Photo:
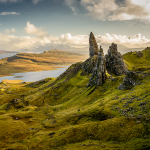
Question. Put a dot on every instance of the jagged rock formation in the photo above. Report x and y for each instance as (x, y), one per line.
(114, 61)
(96, 64)
(147, 48)
(88, 66)
(93, 45)
(99, 71)
(130, 80)
(139, 54)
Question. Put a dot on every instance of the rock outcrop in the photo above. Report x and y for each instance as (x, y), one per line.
(147, 48)
(93, 50)
(99, 71)
(114, 61)
(139, 54)
(130, 80)
(88, 65)
(96, 64)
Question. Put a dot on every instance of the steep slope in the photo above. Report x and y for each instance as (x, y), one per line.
(138, 61)
(84, 108)
(64, 114)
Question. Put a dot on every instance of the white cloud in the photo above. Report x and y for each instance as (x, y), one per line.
(14, 1)
(41, 38)
(70, 4)
(35, 1)
(111, 10)
(10, 31)
(77, 41)
(9, 13)
(32, 30)
(74, 10)
(135, 41)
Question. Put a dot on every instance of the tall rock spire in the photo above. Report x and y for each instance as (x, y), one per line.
(93, 50)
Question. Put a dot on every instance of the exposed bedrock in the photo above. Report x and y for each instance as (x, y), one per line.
(93, 49)
(130, 80)
(99, 71)
(114, 61)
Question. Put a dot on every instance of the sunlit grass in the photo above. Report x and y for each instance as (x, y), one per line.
(64, 114)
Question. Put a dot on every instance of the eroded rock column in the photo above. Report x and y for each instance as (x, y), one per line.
(114, 61)
(93, 49)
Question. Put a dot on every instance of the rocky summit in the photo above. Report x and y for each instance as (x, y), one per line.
(97, 64)
(93, 45)
(114, 61)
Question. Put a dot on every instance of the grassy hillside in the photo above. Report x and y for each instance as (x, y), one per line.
(25, 62)
(63, 114)
(138, 61)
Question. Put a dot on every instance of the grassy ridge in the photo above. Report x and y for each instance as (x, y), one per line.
(136, 62)
(25, 62)
(65, 114)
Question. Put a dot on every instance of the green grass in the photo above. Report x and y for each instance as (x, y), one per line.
(64, 114)
(136, 63)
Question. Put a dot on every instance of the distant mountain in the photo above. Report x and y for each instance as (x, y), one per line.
(48, 60)
(6, 52)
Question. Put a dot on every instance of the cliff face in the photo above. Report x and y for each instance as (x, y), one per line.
(93, 45)
(114, 61)
(99, 71)
(96, 64)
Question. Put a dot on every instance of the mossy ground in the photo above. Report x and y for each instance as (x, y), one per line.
(136, 63)
(66, 115)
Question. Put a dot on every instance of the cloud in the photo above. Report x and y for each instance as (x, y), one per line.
(113, 10)
(13, 1)
(77, 41)
(35, 1)
(135, 41)
(32, 30)
(70, 4)
(9, 13)
(10, 31)
(38, 38)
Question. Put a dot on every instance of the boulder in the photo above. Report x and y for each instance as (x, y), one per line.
(139, 54)
(130, 80)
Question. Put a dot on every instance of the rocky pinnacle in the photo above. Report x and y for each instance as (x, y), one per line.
(93, 50)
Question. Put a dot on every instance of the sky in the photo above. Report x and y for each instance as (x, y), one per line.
(39, 25)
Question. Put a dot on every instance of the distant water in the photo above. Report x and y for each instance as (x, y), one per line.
(35, 76)
(7, 55)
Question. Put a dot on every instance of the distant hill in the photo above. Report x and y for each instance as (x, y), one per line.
(6, 52)
(49, 60)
